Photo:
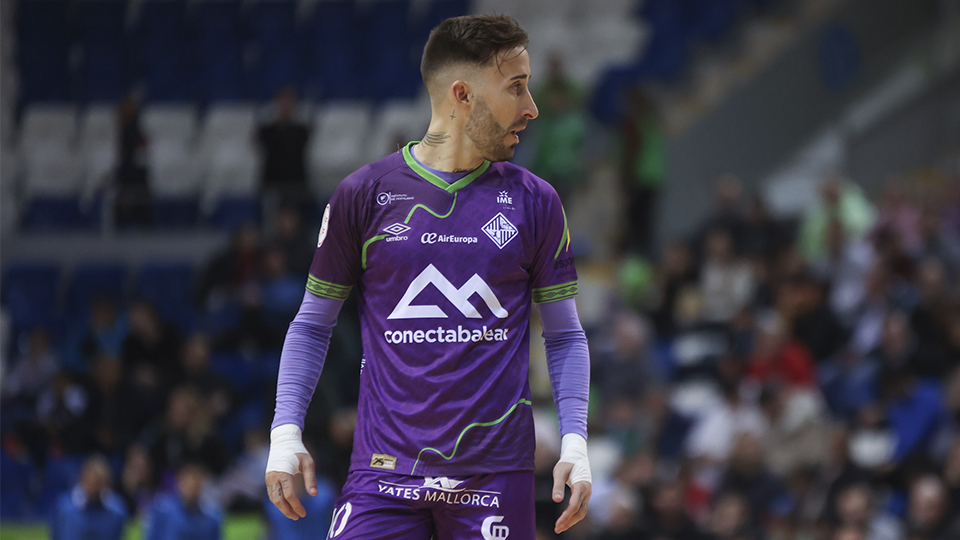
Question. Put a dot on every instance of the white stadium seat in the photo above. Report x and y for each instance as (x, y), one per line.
(48, 123)
(337, 146)
(98, 147)
(173, 169)
(51, 169)
(228, 160)
(177, 122)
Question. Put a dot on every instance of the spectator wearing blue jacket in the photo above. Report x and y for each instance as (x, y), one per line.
(91, 509)
(182, 515)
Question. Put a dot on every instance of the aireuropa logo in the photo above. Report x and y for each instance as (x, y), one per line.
(397, 230)
(434, 238)
(459, 297)
(500, 230)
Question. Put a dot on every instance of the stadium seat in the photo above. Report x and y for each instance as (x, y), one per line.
(43, 50)
(15, 484)
(178, 122)
(52, 214)
(397, 122)
(91, 280)
(277, 63)
(161, 51)
(219, 50)
(30, 292)
(169, 287)
(48, 123)
(175, 213)
(336, 147)
(230, 162)
(602, 41)
(232, 212)
(102, 74)
(332, 52)
(385, 49)
(98, 148)
(60, 474)
(172, 163)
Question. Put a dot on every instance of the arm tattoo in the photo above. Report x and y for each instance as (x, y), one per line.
(434, 139)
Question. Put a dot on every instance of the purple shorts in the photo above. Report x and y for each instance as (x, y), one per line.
(378, 504)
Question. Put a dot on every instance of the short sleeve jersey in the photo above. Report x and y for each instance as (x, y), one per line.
(446, 274)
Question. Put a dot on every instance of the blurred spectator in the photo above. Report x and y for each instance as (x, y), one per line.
(927, 515)
(731, 519)
(283, 143)
(857, 507)
(777, 358)
(151, 346)
(765, 492)
(241, 486)
(900, 349)
(914, 408)
(940, 242)
(185, 435)
(183, 513)
(931, 318)
(897, 213)
(113, 407)
(726, 216)
(230, 269)
(34, 370)
(676, 273)
(64, 412)
(291, 236)
(281, 292)
(620, 516)
(801, 300)
(105, 331)
(763, 236)
(136, 479)
(846, 267)
(667, 517)
(216, 394)
(643, 163)
(842, 201)
(132, 205)
(726, 280)
(561, 128)
(626, 368)
(91, 509)
(797, 429)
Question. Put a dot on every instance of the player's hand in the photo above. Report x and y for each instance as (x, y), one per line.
(288, 457)
(573, 470)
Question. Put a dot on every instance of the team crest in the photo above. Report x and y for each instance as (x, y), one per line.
(500, 230)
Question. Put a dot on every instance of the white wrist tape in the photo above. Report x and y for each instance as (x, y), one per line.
(573, 450)
(285, 444)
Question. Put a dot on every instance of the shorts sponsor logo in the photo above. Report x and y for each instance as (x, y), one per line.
(324, 224)
(434, 238)
(397, 230)
(387, 197)
(491, 531)
(441, 490)
(500, 230)
(339, 521)
(383, 461)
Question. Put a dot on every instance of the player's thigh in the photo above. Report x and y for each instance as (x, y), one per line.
(365, 512)
(490, 506)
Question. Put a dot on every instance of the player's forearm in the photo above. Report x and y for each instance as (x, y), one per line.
(568, 362)
(302, 358)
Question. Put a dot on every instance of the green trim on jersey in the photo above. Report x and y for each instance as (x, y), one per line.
(545, 295)
(436, 180)
(363, 253)
(325, 289)
(464, 432)
(566, 235)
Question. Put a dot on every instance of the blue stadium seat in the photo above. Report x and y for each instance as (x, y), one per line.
(15, 487)
(161, 51)
(233, 368)
(273, 29)
(232, 212)
(43, 50)
(48, 213)
(175, 213)
(330, 42)
(386, 50)
(30, 293)
(219, 44)
(60, 474)
(95, 279)
(168, 286)
(102, 74)
(221, 318)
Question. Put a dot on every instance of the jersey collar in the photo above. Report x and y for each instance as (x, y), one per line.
(436, 180)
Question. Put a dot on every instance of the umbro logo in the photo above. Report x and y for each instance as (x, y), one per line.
(397, 230)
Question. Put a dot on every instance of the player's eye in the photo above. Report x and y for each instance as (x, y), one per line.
(518, 88)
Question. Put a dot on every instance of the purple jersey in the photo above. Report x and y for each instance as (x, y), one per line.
(446, 274)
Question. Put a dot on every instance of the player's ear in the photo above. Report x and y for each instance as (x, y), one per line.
(461, 93)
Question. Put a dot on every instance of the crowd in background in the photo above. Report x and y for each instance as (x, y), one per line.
(770, 378)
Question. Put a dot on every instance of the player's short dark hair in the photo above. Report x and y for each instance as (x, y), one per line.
(470, 40)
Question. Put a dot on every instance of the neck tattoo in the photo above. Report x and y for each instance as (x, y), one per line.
(434, 139)
(453, 114)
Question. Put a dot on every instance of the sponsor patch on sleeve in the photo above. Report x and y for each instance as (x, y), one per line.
(383, 461)
(324, 225)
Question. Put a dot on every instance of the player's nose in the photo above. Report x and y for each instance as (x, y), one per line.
(530, 110)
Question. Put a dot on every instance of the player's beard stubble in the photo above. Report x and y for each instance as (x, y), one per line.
(488, 135)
